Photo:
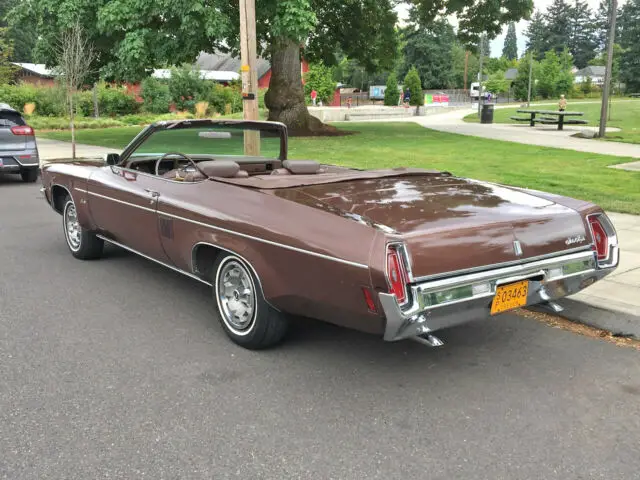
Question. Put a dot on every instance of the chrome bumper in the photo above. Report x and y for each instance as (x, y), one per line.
(549, 279)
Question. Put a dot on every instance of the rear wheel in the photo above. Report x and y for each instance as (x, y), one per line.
(29, 175)
(82, 243)
(244, 314)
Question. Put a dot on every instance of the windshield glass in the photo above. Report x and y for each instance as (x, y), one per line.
(209, 140)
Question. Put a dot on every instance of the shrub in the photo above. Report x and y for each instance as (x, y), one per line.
(319, 78)
(156, 96)
(391, 93)
(115, 100)
(412, 82)
(186, 87)
(219, 97)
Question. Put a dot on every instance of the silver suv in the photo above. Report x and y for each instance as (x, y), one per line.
(18, 149)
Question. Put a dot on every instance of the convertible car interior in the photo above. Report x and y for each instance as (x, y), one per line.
(194, 169)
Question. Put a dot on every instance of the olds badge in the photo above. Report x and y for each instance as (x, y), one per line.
(574, 239)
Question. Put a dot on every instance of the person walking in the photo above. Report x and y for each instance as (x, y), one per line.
(562, 104)
(314, 96)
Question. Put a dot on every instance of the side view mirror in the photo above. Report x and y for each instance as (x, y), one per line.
(111, 158)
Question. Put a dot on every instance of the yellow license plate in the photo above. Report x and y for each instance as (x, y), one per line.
(510, 296)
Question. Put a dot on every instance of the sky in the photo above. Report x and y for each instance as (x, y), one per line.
(498, 42)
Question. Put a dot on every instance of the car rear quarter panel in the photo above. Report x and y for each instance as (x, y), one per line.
(309, 262)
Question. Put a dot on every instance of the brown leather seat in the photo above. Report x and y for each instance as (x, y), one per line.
(301, 167)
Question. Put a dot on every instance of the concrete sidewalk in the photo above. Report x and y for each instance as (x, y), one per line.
(57, 150)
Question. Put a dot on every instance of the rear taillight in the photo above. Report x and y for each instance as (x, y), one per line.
(22, 130)
(396, 275)
(600, 237)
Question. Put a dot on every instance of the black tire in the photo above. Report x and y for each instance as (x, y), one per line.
(29, 175)
(266, 326)
(82, 243)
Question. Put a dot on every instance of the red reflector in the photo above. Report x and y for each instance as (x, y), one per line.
(600, 238)
(22, 130)
(371, 305)
(396, 276)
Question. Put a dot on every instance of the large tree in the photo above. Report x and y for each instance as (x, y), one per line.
(22, 37)
(558, 20)
(537, 35)
(510, 48)
(582, 41)
(133, 36)
(428, 49)
(629, 35)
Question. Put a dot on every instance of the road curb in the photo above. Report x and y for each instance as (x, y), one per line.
(618, 323)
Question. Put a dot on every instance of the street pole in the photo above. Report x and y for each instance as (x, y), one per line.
(249, 73)
(466, 64)
(480, 75)
(530, 73)
(607, 74)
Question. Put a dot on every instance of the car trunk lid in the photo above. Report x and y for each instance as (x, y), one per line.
(451, 223)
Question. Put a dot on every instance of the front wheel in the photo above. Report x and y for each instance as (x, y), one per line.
(244, 313)
(82, 243)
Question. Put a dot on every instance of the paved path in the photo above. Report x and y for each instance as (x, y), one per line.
(544, 136)
(56, 150)
(117, 368)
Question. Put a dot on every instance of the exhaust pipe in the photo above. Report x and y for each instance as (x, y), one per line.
(428, 340)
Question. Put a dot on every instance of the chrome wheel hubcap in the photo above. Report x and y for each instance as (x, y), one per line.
(72, 226)
(236, 296)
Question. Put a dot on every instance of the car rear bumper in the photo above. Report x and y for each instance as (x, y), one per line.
(14, 161)
(451, 301)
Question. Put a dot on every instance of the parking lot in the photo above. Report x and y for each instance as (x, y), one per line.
(117, 368)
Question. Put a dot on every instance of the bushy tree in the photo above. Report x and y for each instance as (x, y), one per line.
(586, 86)
(412, 82)
(391, 93)
(521, 83)
(510, 48)
(320, 78)
(564, 82)
(496, 83)
(7, 69)
(549, 74)
(155, 95)
(458, 54)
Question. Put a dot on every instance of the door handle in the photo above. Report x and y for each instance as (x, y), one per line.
(152, 192)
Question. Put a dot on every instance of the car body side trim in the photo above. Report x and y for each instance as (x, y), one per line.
(121, 202)
(171, 267)
(268, 242)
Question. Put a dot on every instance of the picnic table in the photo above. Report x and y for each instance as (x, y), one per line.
(547, 117)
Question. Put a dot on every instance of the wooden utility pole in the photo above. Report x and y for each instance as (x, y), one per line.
(249, 73)
(613, 9)
(466, 64)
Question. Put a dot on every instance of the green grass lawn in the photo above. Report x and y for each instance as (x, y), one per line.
(625, 114)
(576, 174)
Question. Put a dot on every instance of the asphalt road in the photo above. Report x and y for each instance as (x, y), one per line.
(117, 369)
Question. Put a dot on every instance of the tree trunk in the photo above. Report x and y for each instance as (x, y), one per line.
(285, 98)
(72, 126)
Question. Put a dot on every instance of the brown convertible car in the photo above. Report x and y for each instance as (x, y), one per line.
(398, 253)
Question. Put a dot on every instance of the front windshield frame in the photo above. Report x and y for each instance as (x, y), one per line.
(261, 126)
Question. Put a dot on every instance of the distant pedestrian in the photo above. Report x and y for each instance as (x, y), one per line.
(407, 97)
(349, 102)
(314, 96)
(562, 104)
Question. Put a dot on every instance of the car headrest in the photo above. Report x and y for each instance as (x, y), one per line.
(301, 167)
(219, 168)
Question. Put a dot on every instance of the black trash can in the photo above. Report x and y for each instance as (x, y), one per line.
(486, 114)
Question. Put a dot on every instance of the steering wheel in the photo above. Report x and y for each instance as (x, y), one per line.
(175, 161)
